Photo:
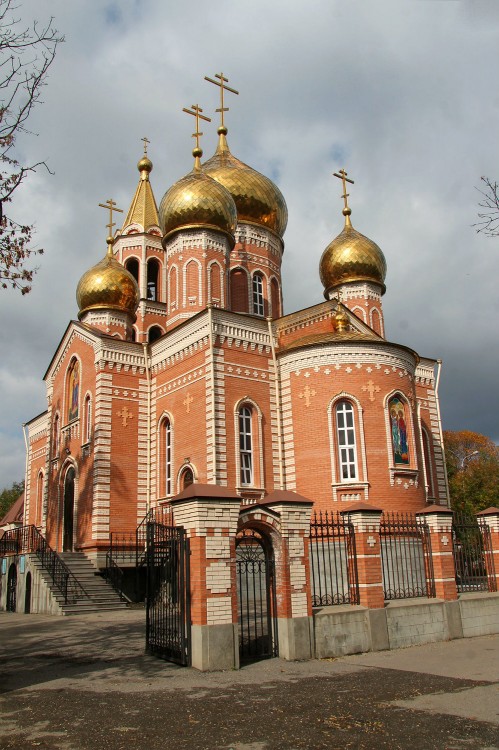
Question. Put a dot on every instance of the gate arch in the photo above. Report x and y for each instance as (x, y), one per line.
(256, 596)
(68, 510)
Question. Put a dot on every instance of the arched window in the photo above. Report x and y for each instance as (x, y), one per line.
(239, 290)
(132, 266)
(187, 478)
(56, 436)
(216, 286)
(427, 455)
(398, 424)
(347, 446)
(88, 419)
(134, 334)
(153, 279)
(245, 446)
(376, 321)
(275, 298)
(154, 334)
(39, 498)
(258, 303)
(73, 390)
(167, 443)
(173, 288)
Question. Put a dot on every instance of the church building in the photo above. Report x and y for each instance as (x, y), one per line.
(183, 368)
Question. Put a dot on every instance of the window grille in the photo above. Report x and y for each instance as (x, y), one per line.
(258, 294)
(347, 451)
(245, 446)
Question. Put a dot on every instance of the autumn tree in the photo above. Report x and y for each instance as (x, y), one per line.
(26, 54)
(489, 218)
(473, 470)
(8, 497)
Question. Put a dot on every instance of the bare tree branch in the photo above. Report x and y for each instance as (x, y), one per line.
(26, 54)
(489, 221)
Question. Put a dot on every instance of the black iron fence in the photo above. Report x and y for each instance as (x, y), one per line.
(473, 554)
(406, 557)
(333, 561)
(28, 540)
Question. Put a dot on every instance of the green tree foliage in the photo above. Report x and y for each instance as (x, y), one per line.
(473, 470)
(8, 497)
(26, 54)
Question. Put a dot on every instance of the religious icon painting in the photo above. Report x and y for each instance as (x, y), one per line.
(398, 426)
(73, 391)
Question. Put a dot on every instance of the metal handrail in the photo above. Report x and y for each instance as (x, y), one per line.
(28, 540)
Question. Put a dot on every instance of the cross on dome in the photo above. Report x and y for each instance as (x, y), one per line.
(342, 175)
(111, 206)
(221, 83)
(196, 112)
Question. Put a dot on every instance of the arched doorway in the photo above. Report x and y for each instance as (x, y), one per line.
(256, 599)
(27, 595)
(69, 498)
(187, 478)
(12, 589)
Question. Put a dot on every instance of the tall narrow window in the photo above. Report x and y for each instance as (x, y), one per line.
(56, 435)
(347, 450)
(187, 478)
(153, 279)
(39, 499)
(168, 456)
(245, 446)
(238, 290)
(398, 424)
(132, 266)
(258, 294)
(88, 419)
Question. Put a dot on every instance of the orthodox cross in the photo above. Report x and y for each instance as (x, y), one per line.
(196, 111)
(187, 402)
(307, 392)
(124, 414)
(146, 143)
(371, 389)
(342, 175)
(111, 206)
(221, 83)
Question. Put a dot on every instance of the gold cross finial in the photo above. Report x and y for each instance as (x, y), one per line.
(146, 143)
(221, 83)
(196, 112)
(342, 175)
(111, 206)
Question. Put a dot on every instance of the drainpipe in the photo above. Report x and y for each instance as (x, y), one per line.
(437, 382)
(148, 479)
(25, 476)
(277, 382)
(212, 384)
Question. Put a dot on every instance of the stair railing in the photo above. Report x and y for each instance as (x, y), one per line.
(27, 540)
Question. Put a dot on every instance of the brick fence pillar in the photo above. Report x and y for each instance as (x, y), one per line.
(366, 522)
(209, 514)
(491, 518)
(439, 521)
(294, 596)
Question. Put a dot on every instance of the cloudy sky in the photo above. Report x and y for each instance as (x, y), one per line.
(402, 93)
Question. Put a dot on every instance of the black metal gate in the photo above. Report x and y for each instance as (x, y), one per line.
(473, 554)
(168, 620)
(256, 597)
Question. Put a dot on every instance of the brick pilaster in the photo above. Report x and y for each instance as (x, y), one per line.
(366, 522)
(439, 521)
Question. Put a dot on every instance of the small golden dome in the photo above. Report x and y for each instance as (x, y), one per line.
(341, 320)
(107, 286)
(351, 257)
(197, 202)
(144, 165)
(257, 199)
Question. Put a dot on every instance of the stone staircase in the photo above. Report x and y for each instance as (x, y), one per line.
(101, 595)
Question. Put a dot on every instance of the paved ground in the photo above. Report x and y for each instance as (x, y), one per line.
(83, 683)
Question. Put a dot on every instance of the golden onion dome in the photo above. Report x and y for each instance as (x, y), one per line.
(197, 202)
(144, 166)
(107, 286)
(257, 199)
(351, 257)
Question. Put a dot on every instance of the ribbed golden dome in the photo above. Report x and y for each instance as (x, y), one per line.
(197, 202)
(257, 199)
(107, 286)
(351, 257)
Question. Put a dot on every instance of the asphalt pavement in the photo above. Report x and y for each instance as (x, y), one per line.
(84, 682)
